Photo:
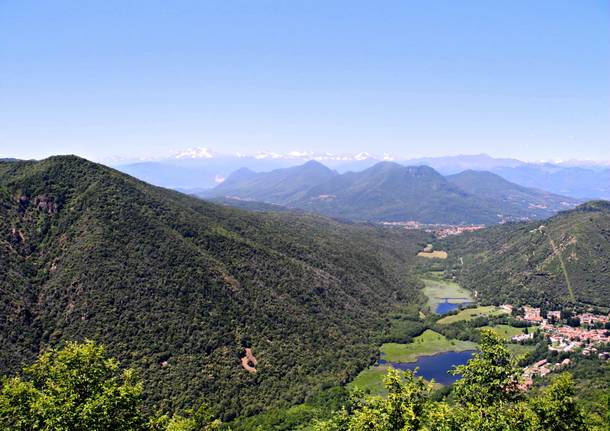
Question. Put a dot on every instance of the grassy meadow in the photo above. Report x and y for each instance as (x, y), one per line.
(506, 331)
(428, 343)
(472, 313)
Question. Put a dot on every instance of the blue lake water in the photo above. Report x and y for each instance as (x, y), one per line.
(435, 366)
(446, 307)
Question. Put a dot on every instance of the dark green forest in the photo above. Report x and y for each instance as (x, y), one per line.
(177, 287)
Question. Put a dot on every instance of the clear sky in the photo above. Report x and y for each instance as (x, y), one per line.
(526, 79)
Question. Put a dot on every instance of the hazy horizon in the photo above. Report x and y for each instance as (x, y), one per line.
(297, 157)
(118, 81)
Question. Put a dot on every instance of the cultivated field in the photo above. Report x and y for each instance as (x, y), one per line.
(506, 331)
(433, 254)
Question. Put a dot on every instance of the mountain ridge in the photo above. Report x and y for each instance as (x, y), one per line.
(389, 191)
(280, 185)
(582, 180)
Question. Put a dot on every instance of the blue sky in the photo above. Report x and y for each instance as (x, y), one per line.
(525, 79)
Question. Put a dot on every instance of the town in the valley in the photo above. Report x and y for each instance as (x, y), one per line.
(587, 334)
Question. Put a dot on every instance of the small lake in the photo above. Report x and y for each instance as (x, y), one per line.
(435, 366)
(446, 307)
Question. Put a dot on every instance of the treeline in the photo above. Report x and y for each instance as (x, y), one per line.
(80, 388)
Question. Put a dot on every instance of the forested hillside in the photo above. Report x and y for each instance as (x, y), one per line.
(563, 259)
(177, 287)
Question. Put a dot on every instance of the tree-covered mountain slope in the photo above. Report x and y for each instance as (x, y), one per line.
(389, 191)
(563, 259)
(178, 287)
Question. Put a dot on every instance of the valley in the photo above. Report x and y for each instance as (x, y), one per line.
(304, 216)
(266, 315)
(433, 354)
(450, 334)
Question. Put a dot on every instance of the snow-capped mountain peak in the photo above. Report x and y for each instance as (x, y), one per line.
(194, 153)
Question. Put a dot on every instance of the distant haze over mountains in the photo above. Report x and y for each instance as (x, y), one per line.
(196, 169)
(388, 191)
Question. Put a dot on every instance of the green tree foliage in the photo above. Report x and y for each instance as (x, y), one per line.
(79, 388)
(193, 420)
(491, 376)
(556, 409)
(486, 399)
(76, 388)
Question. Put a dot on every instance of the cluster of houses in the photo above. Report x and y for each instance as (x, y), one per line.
(440, 230)
(532, 314)
(591, 319)
(456, 230)
(586, 338)
(565, 338)
(541, 368)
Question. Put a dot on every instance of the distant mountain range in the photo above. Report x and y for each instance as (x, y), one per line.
(578, 182)
(194, 170)
(280, 186)
(389, 191)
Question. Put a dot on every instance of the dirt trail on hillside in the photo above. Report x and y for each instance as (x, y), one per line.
(563, 267)
(249, 361)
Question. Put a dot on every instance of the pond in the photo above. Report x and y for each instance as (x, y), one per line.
(435, 366)
(446, 307)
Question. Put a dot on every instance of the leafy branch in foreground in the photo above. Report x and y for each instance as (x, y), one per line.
(78, 388)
